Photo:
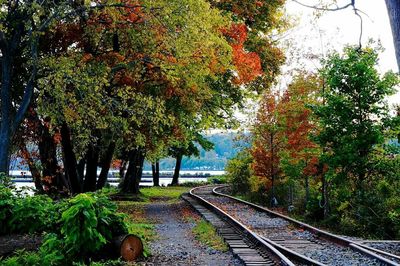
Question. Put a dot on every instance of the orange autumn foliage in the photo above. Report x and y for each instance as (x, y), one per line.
(248, 64)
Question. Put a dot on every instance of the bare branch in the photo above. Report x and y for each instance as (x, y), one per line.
(352, 3)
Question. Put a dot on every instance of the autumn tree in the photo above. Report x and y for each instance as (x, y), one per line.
(268, 142)
(300, 154)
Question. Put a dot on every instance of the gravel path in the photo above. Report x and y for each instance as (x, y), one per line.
(175, 244)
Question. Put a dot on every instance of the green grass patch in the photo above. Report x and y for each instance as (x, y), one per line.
(137, 222)
(206, 234)
(146, 232)
(166, 194)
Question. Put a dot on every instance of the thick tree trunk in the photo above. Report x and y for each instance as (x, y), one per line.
(92, 159)
(5, 127)
(393, 7)
(155, 168)
(175, 178)
(106, 166)
(122, 170)
(81, 169)
(4, 149)
(48, 158)
(36, 176)
(134, 172)
(70, 163)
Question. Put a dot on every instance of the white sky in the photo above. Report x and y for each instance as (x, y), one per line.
(333, 30)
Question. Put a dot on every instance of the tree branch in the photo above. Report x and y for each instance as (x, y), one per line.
(26, 99)
(352, 3)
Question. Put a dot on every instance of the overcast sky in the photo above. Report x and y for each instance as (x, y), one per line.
(333, 30)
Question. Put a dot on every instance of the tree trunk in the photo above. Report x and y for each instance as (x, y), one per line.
(48, 158)
(393, 7)
(134, 172)
(155, 168)
(175, 178)
(324, 195)
(5, 127)
(273, 199)
(81, 169)
(106, 166)
(307, 192)
(36, 176)
(122, 170)
(92, 159)
(70, 164)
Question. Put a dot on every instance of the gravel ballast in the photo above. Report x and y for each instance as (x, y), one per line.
(175, 243)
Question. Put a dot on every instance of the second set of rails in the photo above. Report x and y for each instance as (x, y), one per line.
(260, 236)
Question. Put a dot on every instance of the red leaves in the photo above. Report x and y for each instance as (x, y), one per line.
(248, 64)
(237, 33)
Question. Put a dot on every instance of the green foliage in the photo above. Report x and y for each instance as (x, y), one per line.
(351, 118)
(33, 214)
(238, 172)
(219, 179)
(7, 201)
(206, 234)
(88, 223)
(23, 258)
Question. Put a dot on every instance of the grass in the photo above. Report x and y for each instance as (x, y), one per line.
(167, 194)
(206, 234)
(137, 222)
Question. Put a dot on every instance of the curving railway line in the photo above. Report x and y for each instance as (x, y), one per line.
(259, 236)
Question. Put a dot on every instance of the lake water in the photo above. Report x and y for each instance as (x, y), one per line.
(146, 181)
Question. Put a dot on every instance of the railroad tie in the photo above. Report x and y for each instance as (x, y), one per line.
(237, 242)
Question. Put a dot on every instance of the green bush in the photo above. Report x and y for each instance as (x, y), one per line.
(219, 179)
(23, 258)
(33, 214)
(239, 172)
(7, 200)
(89, 222)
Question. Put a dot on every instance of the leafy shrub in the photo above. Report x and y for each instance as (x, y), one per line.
(22, 257)
(239, 172)
(220, 179)
(88, 223)
(7, 200)
(33, 214)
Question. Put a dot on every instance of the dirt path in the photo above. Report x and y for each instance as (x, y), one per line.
(176, 244)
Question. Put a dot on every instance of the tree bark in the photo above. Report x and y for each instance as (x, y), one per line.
(307, 192)
(106, 166)
(5, 127)
(134, 172)
(175, 178)
(48, 158)
(92, 159)
(155, 168)
(70, 163)
(36, 176)
(393, 7)
(122, 170)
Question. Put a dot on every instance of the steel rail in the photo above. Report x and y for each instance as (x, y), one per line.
(368, 251)
(265, 243)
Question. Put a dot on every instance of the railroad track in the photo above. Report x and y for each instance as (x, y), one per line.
(281, 239)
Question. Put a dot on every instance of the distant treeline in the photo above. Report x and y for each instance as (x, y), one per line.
(226, 146)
